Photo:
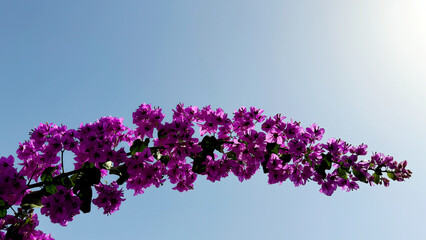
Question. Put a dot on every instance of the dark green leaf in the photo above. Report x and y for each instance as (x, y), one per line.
(73, 178)
(85, 195)
(327, 160)
(3, 213)
(3, 208)
(65, 181)
(265, 169)
(285, 157)
(123, 178)
(378, 170)
(93, 176)
(324, 165)
(161, 134)
(209, 144)
(50, 188)
(120, 171)
(273, 148)
(46, 176)
(231, 155)
(219, 147)
(90, 175)
(265, 163)
(32, 200)
(138, 146)
(199, 166)
(361, 177)
(13, 233)
(88, 165)
(320, 170)
(165, 159)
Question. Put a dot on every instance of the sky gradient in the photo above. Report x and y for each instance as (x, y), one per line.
(356, 68)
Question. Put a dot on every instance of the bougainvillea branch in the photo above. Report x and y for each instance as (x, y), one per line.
(240, 145)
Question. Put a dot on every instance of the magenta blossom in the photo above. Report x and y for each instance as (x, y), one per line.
(109, 197)
(61, 207)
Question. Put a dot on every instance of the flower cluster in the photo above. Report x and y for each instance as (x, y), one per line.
(109, 197)
(147, 119)
(284, 150)
(211, 121)
(41, 150)
(22, 226)
(143, 172)
(61, 207)
(98, 140)
(12, 185)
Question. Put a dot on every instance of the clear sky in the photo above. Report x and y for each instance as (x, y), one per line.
(356, 68)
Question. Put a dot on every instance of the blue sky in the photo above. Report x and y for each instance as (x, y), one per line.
(356, 68)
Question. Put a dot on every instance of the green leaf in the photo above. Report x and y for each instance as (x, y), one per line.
(265, 163)
(138, 146)
(324, 165)
(161, 134)
(50, 188)
(165, 159)
(85, 195)
(120, 171)
(123, 178)
(285, 157)
(376, 178)
(273, 148)
(307, 158)
(361, 177)
(3, 213)
(342, 173)
(46, 176)
(326, 160)
(378, 170)
(209, 144)
(199, 166)
(93, 176)
(320, 170)
(73, 178)
(264, 168)
(391, 175)
(65, 181)
(28, 220)
(219, 147)
(32, 200)
(13, 233)
(2, 203)
(90, 175)
(231, 155)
